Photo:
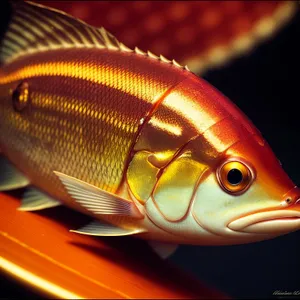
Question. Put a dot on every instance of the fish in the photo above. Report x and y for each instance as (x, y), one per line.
(133, 139)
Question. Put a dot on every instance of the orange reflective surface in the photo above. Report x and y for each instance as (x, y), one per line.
(39, 250)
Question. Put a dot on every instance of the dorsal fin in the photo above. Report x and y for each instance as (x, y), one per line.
(34, 28)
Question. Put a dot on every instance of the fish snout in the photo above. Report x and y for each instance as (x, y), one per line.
(276, 221)
(269, 222)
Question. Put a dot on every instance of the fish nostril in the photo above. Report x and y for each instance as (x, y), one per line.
(288, 200)
(297, 201)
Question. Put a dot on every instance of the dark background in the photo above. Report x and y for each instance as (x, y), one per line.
(265, 85)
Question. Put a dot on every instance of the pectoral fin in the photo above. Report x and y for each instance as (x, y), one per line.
(35, 200)
(10, 177)
(97, 228)
(164, 250)
(96, 200)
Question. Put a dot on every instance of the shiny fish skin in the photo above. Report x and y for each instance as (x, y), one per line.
(83, 127)
(134, 139)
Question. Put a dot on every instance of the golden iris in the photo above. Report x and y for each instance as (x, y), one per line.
(235, 177)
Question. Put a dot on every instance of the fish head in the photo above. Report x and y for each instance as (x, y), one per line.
(247, 196)
(225, 186)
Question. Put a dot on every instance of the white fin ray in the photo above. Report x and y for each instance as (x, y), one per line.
(163, 250)
(10, 177)
(139, 51)
(96, 228)
(96, 200)
(162, 58)
(34, 199)
(125, 48)
(150, 54)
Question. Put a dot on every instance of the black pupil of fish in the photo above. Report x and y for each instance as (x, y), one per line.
(234, 176)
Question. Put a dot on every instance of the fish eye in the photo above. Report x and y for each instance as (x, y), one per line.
(234, 177)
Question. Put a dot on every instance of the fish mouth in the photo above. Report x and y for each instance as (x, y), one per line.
(268, 222)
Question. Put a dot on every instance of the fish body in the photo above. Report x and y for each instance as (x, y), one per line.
(133, 139)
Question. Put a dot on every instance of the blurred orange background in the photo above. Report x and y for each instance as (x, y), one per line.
(201, 34)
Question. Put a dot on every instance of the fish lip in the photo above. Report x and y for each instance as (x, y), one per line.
(274, 221)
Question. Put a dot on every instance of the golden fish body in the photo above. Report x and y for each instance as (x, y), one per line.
(128, 137)
(85, 122)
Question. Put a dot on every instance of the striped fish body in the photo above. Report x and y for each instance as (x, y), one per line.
(122, 135)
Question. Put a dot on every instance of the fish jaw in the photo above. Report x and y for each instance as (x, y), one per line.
(273, 222)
